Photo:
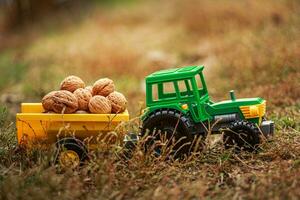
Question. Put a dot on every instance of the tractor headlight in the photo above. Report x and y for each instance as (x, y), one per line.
(184, 106)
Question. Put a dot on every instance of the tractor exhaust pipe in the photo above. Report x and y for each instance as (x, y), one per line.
(232, 95)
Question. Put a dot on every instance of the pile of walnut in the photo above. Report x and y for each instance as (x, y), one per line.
(74, 97)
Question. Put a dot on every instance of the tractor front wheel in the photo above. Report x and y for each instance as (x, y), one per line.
(242, 135)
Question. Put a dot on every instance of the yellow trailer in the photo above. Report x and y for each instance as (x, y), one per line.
(67, 130)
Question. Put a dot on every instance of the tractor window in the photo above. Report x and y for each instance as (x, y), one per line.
(168, 91)
(199, 85)
(182, 86)
(163, 91)
(168, 88)
(185, 87)
(154, 92)
(199, 82)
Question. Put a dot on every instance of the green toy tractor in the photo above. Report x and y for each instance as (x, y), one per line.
(179, 109)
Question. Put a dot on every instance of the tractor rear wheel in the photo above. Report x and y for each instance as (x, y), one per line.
(242, 135)
(168, 131)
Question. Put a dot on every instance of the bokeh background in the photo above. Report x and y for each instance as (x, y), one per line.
(252, 46)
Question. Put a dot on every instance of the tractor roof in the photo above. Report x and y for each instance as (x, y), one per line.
(173, 74)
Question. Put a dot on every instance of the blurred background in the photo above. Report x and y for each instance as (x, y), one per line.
(250, 46)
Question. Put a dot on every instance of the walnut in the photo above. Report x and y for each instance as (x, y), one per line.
(99, 104)
(50, 112)
(90, 88)
(118, 102)
(64, 102)
(103, 87)
(72, 83)
(81, 112)
(47, 101)
(83, 96)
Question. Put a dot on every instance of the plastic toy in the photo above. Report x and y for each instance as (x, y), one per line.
(178, 105)
(35, 125)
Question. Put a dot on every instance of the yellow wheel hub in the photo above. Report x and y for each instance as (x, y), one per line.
(69, 159)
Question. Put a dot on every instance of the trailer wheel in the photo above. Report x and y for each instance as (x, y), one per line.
(242, 135)
(130, 142)
(70, 153)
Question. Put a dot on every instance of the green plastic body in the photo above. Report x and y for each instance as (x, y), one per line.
(185, 90)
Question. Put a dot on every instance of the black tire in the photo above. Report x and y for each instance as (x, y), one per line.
(130, 142)
(74, 145)
(171, 125)
(242, 135)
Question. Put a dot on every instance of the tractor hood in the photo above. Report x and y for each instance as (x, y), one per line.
(247, 107)
(237, 103)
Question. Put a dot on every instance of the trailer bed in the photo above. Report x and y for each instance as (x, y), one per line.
(33, 124)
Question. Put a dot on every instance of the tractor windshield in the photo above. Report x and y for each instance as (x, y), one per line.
(177, 89)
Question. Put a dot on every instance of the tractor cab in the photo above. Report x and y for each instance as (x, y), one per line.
(183, 89)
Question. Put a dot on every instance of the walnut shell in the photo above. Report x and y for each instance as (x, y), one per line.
(47, 101)
(118, 102)
(81, 112)
(99, 104)
(72, 83)
(90, 88)
(64, 102)
(83, 96)
(103, 87)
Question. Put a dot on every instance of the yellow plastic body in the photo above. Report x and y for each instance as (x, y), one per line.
(35, 125)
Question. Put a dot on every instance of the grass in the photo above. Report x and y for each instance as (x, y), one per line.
(250, 46)
(11, 70)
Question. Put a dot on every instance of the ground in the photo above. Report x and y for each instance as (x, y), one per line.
(250, 46)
